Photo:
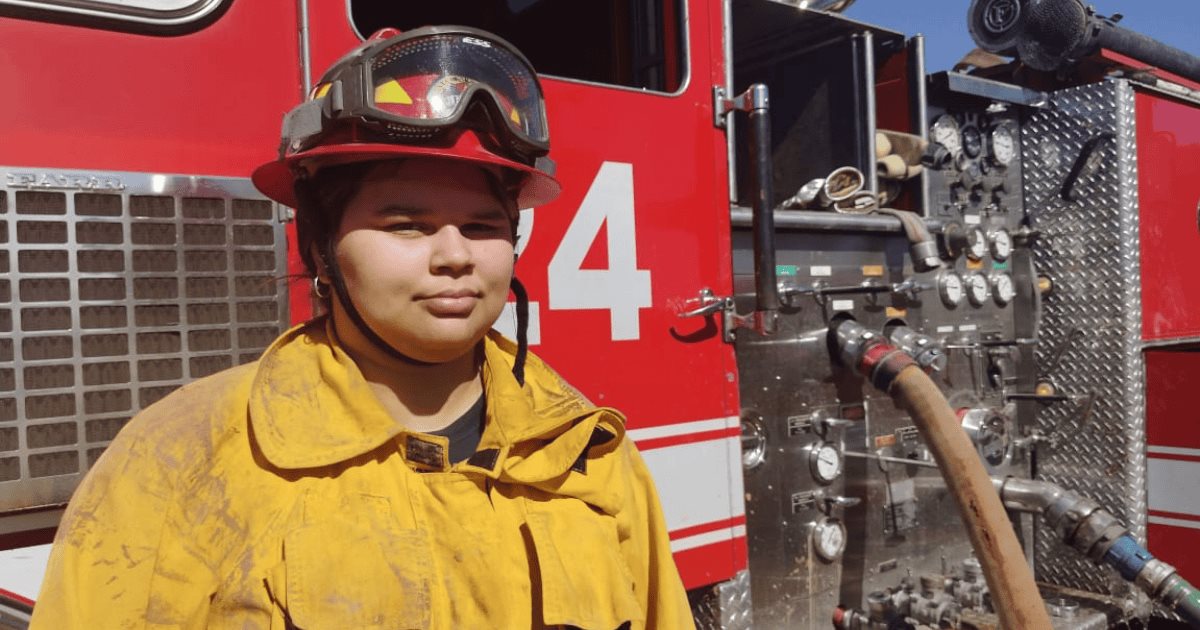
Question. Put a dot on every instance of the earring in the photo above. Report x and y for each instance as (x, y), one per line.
(319, 289)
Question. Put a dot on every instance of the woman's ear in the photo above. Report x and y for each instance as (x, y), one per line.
(318, 257)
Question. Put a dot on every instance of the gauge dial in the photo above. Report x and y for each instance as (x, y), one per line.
(978, 290)
(950, 288)
(1003, 290)
(972, 141)
(1004, 144)
(976, 244)
(829, 539)
(945, 132)
(1002, 244)
(825, 462)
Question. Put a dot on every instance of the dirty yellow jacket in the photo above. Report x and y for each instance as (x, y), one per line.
(280, 494)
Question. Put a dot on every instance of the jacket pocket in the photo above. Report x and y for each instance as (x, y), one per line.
(584, 581)
(342, 575)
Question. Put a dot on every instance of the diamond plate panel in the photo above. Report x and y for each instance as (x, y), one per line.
(1091, 322)
(725, 606)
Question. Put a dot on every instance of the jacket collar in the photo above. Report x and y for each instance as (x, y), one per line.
(311, 407)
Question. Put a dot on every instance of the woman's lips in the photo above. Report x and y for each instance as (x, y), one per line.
(451, 303)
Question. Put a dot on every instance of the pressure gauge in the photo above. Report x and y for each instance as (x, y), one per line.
(977, 289)
(825, 462)
(972, 141)
(829, 539)
(976, 244)
(1004, 144)
(1002, 289)
(1002, 244)
(945, 132)
(950, 288)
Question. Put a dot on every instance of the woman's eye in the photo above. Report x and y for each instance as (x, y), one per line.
(405, 226)
(482, 228)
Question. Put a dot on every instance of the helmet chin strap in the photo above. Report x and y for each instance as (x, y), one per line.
(518, 290)
(343, 296)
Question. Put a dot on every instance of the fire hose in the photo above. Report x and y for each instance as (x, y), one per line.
(1010, 581)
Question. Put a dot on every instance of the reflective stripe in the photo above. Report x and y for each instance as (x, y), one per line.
(21, 570)
(1163, 520)
(1174, 485)
(683, 428)
(698, 483)
(1172, 450)
(708, 538)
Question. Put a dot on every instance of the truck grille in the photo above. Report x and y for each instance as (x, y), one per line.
(115, 289)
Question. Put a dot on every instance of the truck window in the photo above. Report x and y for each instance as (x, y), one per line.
(170, 15)
(631, 43)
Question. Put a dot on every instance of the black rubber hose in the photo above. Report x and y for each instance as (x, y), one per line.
(1049, 35)
(1149, 50)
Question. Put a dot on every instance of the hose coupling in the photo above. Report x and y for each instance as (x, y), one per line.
(925, 255)
(869, 353)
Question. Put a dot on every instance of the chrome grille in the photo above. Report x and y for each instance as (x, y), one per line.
(117, 288)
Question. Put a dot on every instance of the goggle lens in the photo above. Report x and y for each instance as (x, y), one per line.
(434, 79)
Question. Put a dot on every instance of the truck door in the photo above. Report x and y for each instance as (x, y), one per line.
(641, 228)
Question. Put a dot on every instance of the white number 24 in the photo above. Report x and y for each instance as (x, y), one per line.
(622, 289)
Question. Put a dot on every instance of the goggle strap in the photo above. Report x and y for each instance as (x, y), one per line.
(304, 121)
(308, 118)
(545, 165)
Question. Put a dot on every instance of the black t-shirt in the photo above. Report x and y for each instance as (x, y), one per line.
(465, 433)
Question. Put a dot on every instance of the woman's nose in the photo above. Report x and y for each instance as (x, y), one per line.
(451, 251)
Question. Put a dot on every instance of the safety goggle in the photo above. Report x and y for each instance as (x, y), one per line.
(424, 83)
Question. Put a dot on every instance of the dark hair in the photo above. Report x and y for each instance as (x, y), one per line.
(332, 188)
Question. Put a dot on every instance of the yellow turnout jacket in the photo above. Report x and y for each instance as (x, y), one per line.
(280, 494)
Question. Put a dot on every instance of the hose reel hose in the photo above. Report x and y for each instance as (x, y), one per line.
(1010, 580)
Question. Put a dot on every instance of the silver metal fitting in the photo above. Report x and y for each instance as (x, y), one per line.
(852, 341)
(840, 186)
(925, 350)
(1155, 579)
(925, 255)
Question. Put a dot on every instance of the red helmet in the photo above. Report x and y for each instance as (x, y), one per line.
(441, 92)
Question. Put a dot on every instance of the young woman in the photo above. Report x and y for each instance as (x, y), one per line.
(392, 464)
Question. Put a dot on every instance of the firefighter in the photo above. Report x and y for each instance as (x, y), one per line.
(393, 464)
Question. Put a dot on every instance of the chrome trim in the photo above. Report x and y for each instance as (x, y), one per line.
(14, 614)
(865, 60)
(31, 520)
(305, 50)
(1188, 96)
(132, 14)
(55, 486)
(1168, 343)
(996, 90)
(916, 51)
(821, 221)
(727, 55)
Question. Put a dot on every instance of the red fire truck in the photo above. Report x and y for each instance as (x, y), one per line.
(1052, 205)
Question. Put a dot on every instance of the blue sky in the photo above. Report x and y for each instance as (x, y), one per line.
(944, 23)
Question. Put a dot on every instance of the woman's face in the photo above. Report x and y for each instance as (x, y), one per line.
(426, 251)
